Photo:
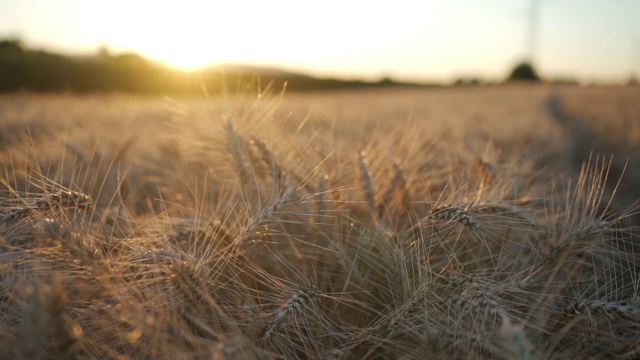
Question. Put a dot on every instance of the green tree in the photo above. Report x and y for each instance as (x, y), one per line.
(524, 71)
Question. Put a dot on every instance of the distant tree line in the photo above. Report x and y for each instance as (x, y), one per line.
(35, 70)
(40, 71)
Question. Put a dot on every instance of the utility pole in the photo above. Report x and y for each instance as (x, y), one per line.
(635, 60)
(533, 30)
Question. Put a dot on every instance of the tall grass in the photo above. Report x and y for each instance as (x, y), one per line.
(245, 232)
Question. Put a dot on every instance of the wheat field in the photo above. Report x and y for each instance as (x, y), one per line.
(448, 223)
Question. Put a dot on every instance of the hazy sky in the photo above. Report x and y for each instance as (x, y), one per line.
(408, 40)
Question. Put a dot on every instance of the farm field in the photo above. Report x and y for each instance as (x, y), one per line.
(447, 223)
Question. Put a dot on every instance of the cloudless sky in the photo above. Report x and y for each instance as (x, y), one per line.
(428, 40)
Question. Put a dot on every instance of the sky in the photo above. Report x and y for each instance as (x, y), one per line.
(428, 40)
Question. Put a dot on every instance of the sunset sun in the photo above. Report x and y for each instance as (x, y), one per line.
(205, 33)
(287, 34)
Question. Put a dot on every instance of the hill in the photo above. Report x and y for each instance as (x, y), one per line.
(36, 70)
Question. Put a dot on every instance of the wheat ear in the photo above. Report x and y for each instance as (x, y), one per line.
(366, 183)
(295, 304)
(397, 185)
(264, 215)
(269, 160)
(455, 213)
(235, 146)
(61, 199)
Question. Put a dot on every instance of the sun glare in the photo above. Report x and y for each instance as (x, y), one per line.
(284, 32)
(201, 33)
(184, 55)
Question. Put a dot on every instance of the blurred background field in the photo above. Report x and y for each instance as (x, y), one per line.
(555, 127)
